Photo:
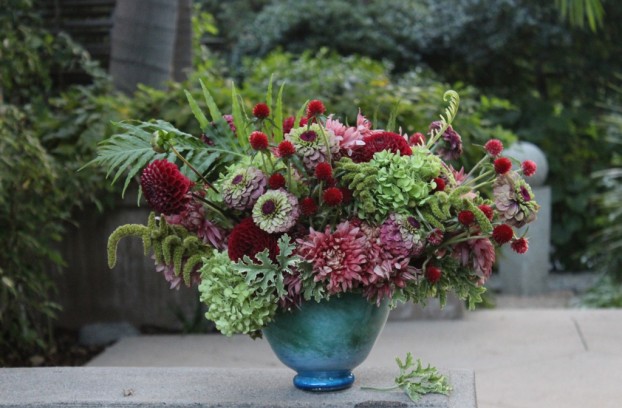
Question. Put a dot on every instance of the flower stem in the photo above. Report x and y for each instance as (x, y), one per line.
(187, 163)
(479, 163)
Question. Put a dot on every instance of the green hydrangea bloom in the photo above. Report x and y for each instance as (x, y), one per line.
(391, 182)
(234, 306)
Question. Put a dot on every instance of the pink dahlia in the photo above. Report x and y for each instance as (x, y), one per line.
(193, 218)
(350, 136)
(477, 255)
(451, 147)
(336, 256)
(164, 187)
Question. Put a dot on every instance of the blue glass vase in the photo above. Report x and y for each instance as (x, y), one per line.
(324, 341)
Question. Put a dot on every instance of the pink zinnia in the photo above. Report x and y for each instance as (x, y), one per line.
(336, 256)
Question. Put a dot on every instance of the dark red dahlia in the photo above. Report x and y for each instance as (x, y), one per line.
(261, 111)
(288, 124)
(440, 184)
(417, 139)
(315, 108)
(308, 206)
(276, 181)
(487, 210)
(258, 140)
(323, 171)
(494, 147)
(433, 274)
(466, 217)
(529, 168)
(164, 187)
(380, 141)
(248, 239)
(502, 233)
(503, 165)
(333, 196)
(520, 246)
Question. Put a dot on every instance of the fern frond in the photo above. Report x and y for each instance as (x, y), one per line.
(451, 111)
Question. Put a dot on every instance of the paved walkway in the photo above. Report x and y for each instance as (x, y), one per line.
(522, 358)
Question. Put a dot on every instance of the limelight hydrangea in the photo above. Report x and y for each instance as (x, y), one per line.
(276, 211)
(233, 305)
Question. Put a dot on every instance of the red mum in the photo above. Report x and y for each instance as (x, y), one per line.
(520, 246)
(315, 108)
(529, 168)
(503, 165)
(502, 233)
(466, 217)
(308, 206)
(487, 210)
(433, 274)
(261, 111)
(494, 147)
(165, 187)
(258, 140)
(333, 196)
(323, 171)
(380, 141)
(248, 239)
(276, 181)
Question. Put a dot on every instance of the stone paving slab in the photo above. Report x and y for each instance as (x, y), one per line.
(520, 357)
(206, 387)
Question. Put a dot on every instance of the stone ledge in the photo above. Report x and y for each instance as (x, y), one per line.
(207, 387)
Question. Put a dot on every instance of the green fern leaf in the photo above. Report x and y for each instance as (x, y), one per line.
(196, 110)
(211, 104)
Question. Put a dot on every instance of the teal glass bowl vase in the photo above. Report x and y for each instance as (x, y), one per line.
(323, 342)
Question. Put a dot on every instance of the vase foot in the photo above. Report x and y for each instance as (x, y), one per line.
(324, 381)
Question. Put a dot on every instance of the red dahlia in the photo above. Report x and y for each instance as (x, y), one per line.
(503, 165)
(502, 233)
(315, 108)
(529, 168)
(333, 196)
(433, 274)
(417, 139)
(165, 187)
(323, 171)
(466, 217)
(261, 111)
(258, 140)
(494, 147)
(487, 210)
(248, 239)
(308, 206)
(380, 141)
(520, 246)
(276, 181)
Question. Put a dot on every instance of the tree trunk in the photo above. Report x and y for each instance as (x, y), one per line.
(145, 45)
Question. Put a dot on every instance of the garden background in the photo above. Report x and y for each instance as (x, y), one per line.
(545, 72)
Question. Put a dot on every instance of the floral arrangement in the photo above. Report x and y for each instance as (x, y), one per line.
(264, 211)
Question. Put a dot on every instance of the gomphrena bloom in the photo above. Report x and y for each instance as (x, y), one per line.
(514, 200)
(451, 147)
(310, 145)
(276, 211)
(242, 188)
(164, 187)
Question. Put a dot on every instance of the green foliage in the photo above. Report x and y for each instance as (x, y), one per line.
(577, 12)
(607, 292)
(417, 380)
(234, 305)
(32, 212)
